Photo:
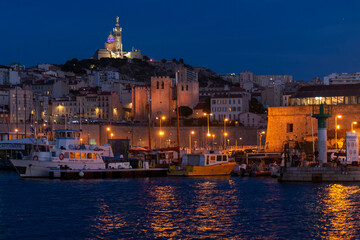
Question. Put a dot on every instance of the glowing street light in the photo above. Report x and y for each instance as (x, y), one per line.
(208, 122)
(17, 133)
(213, 136)
(336, 128)
(161, 133)
(352, 126)
(191, 133)
(111, 135)
(260, 135)
(108, 130)
(225, 133)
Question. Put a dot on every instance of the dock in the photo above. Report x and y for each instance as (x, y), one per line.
(108, 173)
(319, 174)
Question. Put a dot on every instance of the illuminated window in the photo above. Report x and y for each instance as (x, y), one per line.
(78, 155)
(72, 155)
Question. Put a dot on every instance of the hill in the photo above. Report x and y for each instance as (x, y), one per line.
(138, 69)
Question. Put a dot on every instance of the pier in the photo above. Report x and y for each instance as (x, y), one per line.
(319, 174)
(108, 173)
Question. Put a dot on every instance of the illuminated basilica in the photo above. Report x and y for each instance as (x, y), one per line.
(114, 48)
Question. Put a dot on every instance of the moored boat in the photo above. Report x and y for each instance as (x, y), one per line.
(67, 153)
(208, 164)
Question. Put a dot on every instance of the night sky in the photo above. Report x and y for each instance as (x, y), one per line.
(301, 38)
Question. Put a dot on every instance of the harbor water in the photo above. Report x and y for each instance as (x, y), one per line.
(176, 208)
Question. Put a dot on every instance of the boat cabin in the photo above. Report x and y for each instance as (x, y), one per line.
(66, 137)
(207, 159)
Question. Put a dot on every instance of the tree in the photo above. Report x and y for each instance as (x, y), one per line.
(256, 107)
(185, 111)
(163, 60)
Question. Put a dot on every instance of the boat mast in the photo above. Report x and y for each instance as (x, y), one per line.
(149, 116)
(177, 113)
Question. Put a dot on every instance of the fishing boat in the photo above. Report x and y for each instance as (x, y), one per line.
(66, 153)
(211, 163)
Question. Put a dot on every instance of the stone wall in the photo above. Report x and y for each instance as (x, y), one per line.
(281, 118)
(138, 135)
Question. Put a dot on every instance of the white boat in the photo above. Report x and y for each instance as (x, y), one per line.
(66, 153)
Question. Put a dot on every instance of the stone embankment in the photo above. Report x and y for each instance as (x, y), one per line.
(320, 174)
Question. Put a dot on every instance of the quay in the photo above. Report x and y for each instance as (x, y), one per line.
(319, 174)
(108, 173)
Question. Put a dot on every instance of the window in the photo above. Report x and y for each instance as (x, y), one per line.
(78, 155)
(66, 154)
(182, 88)
(289, 127)
(213, 101)
(157, 85)
(218, 158)
(187, 88)
(162, 85)
(94, 156)
(72, 155)
(83, 155)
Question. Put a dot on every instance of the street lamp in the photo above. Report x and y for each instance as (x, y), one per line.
(161, 133)
(108, 135)
(17, 133)
(191, 133)
(208, 122)
(261, 133)
(213, 136)
(225, 133)
(336, 128)
(352, 126)
(111, 135)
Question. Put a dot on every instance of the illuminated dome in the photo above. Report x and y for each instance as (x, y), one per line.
(110, 38)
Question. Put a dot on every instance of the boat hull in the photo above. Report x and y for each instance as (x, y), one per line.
(31, 168)
(214, 170)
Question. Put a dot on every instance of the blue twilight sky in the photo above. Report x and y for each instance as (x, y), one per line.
(302, 38)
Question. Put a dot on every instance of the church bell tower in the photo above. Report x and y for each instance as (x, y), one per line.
(117, 35)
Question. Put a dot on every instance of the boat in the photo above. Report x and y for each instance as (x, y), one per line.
(211, 163)
(66, 153)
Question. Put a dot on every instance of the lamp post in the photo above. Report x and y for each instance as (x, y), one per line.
(161, 133)
(108, 134)
(17, 133)
(208, 122)
(352, 126)
(260, 135)
(336, 128)
(111, 135)
(191, 133)
(213, 136)
(225, 133)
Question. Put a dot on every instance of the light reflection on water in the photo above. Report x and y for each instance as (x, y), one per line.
(340, 212)
(177, 208)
